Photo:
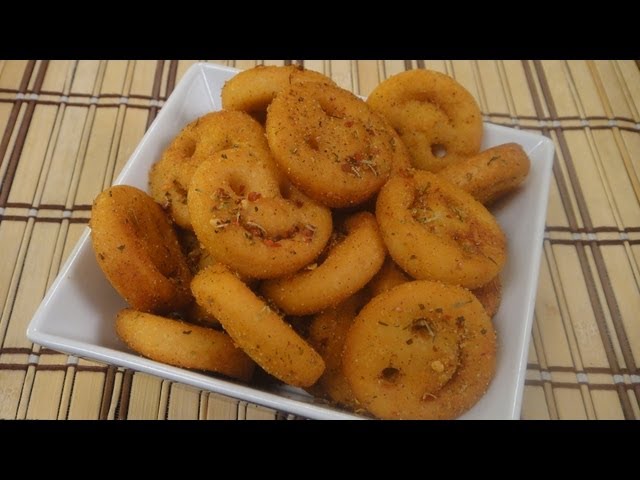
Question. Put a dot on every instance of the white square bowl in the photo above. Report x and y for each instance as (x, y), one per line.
(77, 314)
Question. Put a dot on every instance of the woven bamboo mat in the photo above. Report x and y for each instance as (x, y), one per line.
(68, 127)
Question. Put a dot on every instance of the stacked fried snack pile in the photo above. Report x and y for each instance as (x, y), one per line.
(298, 203)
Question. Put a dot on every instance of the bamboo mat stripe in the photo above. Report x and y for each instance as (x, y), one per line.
(68, 127)
(563, 184)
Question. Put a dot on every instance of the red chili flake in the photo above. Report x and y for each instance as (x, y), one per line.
(346, 167)
(253, 196)
(255, 231)
(307, 233)
(348, 123)
(358, 157)
(270, 243)
(222, 194)
(291, 232)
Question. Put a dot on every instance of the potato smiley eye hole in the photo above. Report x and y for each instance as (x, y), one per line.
(179, 189)
(438, 150)
(237, 186)
(190, 149)
(286, 191)
(390, 374)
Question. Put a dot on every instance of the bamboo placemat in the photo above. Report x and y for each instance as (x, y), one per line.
(68, 127)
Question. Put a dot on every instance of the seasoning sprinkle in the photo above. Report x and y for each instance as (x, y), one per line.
(219, 224)
(460, 304)
(255, 225)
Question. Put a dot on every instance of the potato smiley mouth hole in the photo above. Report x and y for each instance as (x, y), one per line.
(190, 149)
(438, 150)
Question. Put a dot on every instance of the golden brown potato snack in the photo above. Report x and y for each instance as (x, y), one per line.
(256, 328)
(253, 90)
(331, 145)
(170, 177)
(490, 295)
(422, 350)
(435, 231)
(349, 265)
(437, 118)
(138, 251)
(390, 275)
(251, 220)
(182, 344)
(491, 174)
(327, 333)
